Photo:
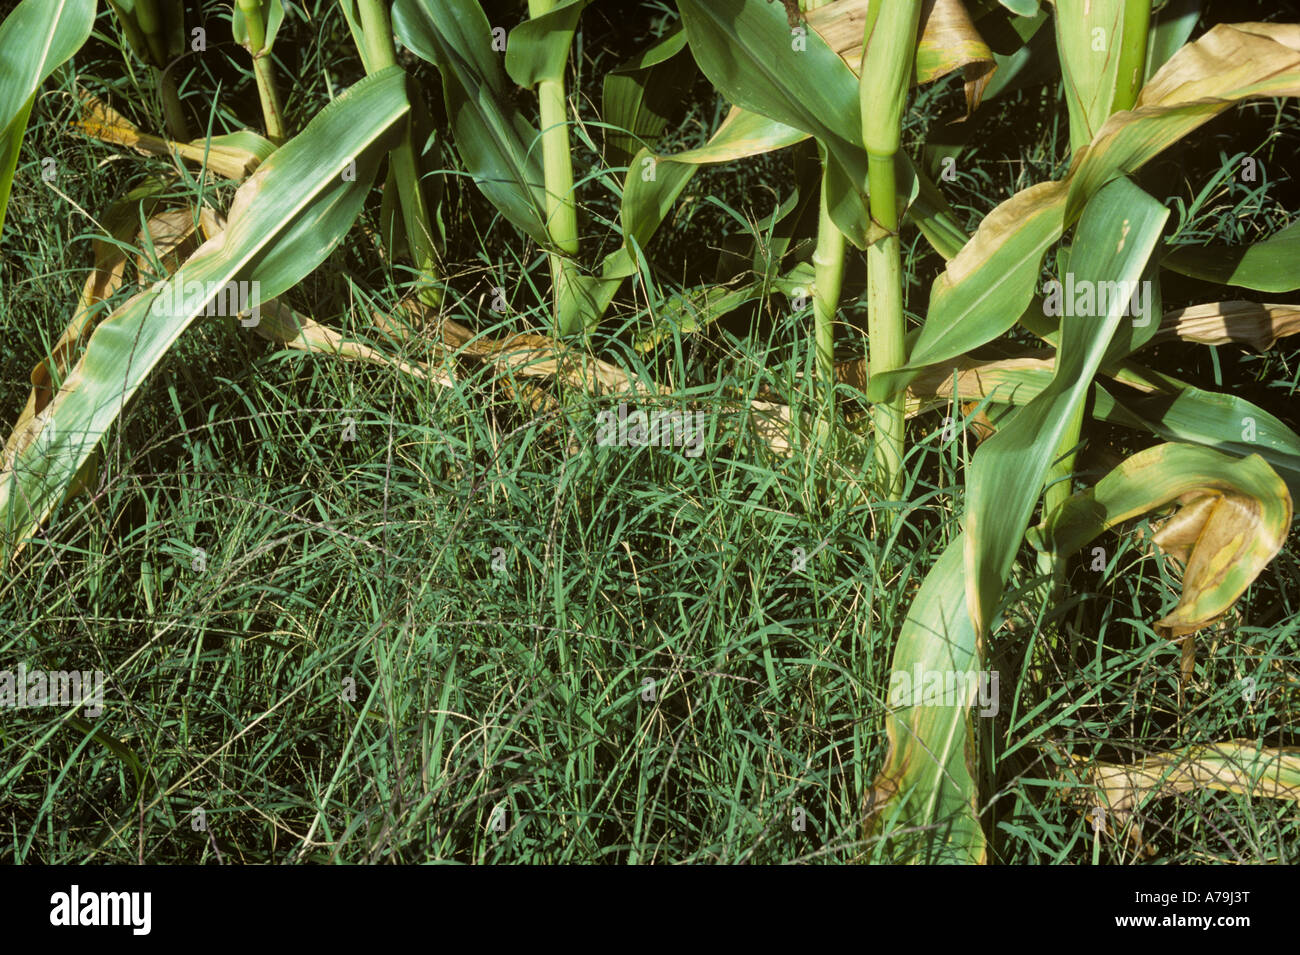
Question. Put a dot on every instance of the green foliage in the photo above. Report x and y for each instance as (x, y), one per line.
(35, 39)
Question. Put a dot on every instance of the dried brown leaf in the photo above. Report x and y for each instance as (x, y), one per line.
(1221, 323)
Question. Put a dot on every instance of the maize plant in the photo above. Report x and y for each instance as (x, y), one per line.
(1041, 315)
(155, 31)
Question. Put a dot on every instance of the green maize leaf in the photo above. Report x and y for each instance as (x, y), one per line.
(639, 96)
(654, 181)
(749, 52)
(283, 223)
(929, 211)
(272, 18)
(494, 140)
(1116, 237)
(948, 41)
(120, 223)
(1171, 27)
(1022, 8)
(1142, 324)
(538, 49)
(35, 39)
(1269, 266)
(1224, 421)
(1102, 45)
(991, 281)
(11, 142)
(927, 789)
(844, 201)
(652, 186)
(1110, 409)
(584, 298)
(791, 227)
(986, 286)
(1236, 516)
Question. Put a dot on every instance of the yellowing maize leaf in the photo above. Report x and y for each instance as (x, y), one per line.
(279, 323)
(1238, 766)
(1008, 380)
(538, 356)
(232, 156)
(926, 800)
(284, 222)
(168, 232)
(1116, 236)
(1234, 518)
(105, 279)
(948, 41)
(1221, 323)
